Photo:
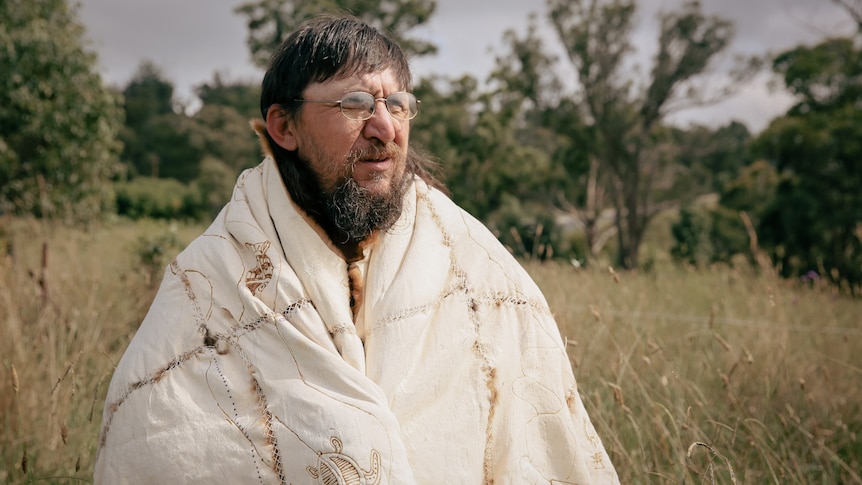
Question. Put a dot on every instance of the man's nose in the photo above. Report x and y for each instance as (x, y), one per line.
(381, 125)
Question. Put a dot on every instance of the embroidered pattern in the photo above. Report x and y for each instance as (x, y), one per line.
(598, 458)
(257, 278)
(336, 468)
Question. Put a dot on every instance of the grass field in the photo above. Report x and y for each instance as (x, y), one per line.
(716, 375)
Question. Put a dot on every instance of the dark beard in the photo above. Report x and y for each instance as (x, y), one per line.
(356, 212)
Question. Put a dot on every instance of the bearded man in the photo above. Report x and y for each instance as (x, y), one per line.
(342, 321)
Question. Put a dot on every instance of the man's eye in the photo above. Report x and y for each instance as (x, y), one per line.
(355, 102)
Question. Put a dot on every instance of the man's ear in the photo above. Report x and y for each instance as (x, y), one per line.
(282, 128)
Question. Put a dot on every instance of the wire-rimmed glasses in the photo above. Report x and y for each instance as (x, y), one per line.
(360, 105)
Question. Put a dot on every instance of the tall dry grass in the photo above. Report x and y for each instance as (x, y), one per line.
(64, 322)
(687, 374)
(715, 376)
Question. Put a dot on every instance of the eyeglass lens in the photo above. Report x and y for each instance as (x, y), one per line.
(360, 106)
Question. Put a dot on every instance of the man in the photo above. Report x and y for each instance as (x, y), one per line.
(342, 321)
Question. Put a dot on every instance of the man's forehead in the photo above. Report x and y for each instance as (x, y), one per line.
(383, 80)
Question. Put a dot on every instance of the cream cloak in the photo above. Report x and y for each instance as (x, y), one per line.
(249, 367)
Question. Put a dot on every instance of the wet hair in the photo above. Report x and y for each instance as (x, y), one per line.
(324, 48)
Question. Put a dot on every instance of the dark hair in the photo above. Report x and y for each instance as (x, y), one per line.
(324, 48)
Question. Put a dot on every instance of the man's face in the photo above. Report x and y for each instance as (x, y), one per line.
(371, 152)
(361, 165)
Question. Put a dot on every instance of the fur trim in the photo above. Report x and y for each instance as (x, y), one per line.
(259, 126)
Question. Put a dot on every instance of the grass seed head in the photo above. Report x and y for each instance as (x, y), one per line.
(14, 379)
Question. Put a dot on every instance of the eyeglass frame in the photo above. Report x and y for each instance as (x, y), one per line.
(373, 106)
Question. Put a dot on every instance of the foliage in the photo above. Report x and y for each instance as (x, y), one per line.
(527, 93)
(147, 95)
(214, 185)
(146, 197)
(243, 97)
(154, 251)
(447, 115)
(157, 140)
(710, 158)
(815, 221)
(498, 174)
(271, 21)
(498, 153)
(221, 132)
(58, 122)
(752, 193)
(529, 232)
(753, 190)
(614, 164)
(689, 234)
(631, 146)
(203, 153)
(729, 237)
(717, 234)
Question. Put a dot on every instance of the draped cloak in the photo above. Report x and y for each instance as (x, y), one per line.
(250, 366)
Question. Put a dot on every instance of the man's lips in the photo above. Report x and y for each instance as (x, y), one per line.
(373, 170)
(378, 163)
(374, 162)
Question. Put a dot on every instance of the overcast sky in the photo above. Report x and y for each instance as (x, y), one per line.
(191, 39)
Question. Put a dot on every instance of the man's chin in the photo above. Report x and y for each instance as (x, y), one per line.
(378, 183)
(376, 188)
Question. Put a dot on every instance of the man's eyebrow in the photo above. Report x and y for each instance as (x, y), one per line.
(350, 88)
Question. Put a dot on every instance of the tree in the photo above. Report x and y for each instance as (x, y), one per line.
(815, 223)
(631, 144)
(854, 9)
(243, 97)
(711, 157)
(204, 151)
(689, 235)
(528, 86)
(527, 92)
(147, 95)
(271, 21)
(58, 121)
(705, 234)
(156, 139)
(494, 173)
(224, 122)
(751, 193)
(222, 133)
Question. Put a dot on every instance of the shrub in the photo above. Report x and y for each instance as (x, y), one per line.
(146, 197)
(154, 250)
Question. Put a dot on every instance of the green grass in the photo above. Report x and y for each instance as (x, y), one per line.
(688, 374)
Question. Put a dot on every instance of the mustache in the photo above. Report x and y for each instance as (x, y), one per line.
(374, 152)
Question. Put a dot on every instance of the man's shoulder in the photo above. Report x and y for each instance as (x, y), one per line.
(210, 247)
(459, 224)
(476, 250)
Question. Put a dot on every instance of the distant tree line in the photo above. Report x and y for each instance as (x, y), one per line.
(569, 157)
(180, 165)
